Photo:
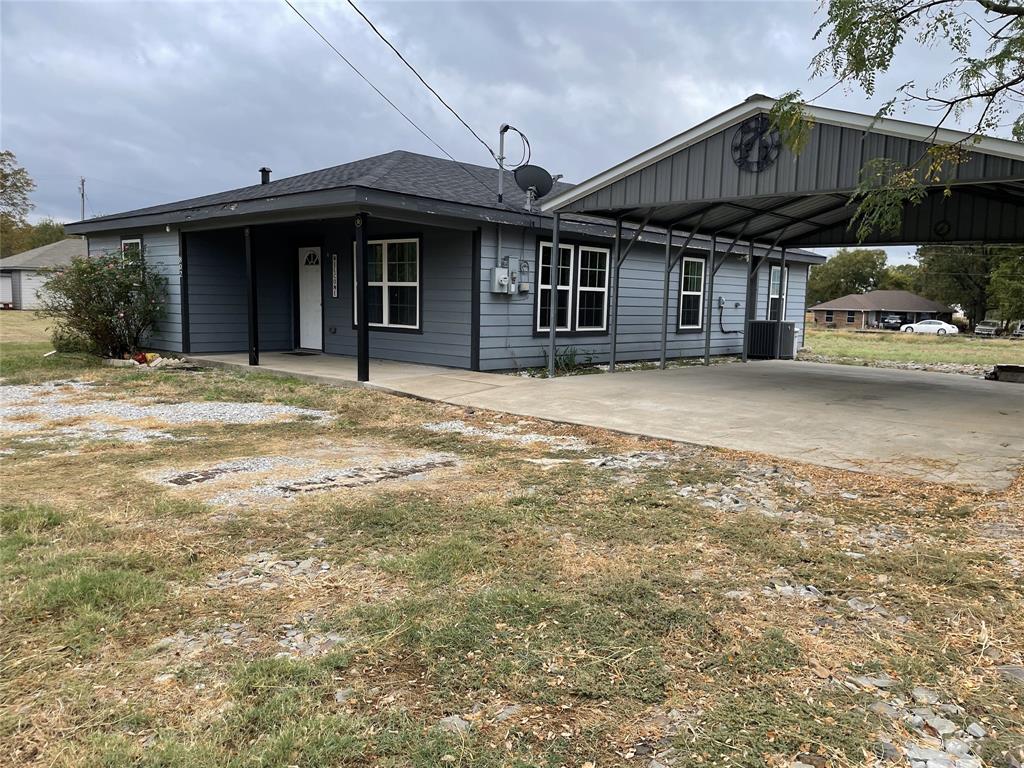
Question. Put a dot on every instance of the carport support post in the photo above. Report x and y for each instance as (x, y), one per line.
(613, 321)
(709, 273)
(553, 302)
(362, 268)
(746, 299)
(664, 300)
(252, 302)
(782, 302)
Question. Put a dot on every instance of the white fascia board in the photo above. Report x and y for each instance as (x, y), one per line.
(1006, 148)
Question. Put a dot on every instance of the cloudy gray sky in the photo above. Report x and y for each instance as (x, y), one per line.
(157, 101)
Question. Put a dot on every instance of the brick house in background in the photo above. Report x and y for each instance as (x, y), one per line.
(865, 310)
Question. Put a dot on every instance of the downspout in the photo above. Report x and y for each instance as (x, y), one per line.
(553, 303)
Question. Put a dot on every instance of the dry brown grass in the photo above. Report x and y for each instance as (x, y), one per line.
(593, 599)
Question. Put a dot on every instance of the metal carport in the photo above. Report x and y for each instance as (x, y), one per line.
(731, 179)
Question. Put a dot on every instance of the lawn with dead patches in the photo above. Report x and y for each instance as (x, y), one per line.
(202, 568)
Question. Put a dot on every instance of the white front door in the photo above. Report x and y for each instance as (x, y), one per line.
(311, 330)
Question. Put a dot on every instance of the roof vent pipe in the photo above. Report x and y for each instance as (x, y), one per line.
(264, 175)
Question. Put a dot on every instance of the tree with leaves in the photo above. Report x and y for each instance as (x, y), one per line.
(15, 187)
(856, 270)
(960, 275)
(1007, 286)
(985, 39)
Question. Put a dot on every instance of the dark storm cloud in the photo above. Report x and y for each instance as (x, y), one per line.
(157, 101)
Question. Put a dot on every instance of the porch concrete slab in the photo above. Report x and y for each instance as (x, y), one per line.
(930, 426)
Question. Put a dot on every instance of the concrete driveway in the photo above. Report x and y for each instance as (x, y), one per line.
(934, 426)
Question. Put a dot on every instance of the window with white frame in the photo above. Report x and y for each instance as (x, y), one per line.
(773, 293)
(691, 294)
(131, 246)
(393, 279)
(564, 289)
(592, 288)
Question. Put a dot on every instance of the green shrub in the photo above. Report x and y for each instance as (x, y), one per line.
(105, 304)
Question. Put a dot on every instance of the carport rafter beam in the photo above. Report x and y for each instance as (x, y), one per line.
(636, 235)
(815, 226)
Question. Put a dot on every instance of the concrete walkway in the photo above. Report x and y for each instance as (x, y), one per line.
(932, 426)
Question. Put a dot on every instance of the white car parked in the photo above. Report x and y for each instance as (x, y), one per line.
(930, 326)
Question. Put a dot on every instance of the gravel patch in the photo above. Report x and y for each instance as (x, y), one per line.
(508, 432)
(335, 478)
(264, 570)
(241, 466)
(33, 408)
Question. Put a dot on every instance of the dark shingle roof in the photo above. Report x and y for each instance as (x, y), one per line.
(404, 172)
(893, 301)
(57, 254)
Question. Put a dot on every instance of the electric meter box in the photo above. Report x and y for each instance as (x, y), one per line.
(501, 281)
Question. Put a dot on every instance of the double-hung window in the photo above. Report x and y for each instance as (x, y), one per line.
(393, 278)
(592, 289)
(851, 317)
(774, 293)
(829, 316)
(565, 263)
(582, 288)
(691, 294)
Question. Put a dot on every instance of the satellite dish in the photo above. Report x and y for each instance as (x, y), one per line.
(535, 177)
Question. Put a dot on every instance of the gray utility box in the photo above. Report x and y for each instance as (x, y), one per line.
(763, 334)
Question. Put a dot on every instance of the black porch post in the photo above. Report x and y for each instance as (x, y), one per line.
(781, 315)
(709, 278)
(253, 301)
(613, 323)
(746, 301)
(553, 306)
(362, 297)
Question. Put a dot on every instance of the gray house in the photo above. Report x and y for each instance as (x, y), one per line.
(455, 278)
(21, 279)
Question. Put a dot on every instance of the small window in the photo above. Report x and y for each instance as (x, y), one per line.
(773, 293)
(564, 289)
(830, 316)
(393, 278)
(691, 294)
(131, 247)
(850, 318)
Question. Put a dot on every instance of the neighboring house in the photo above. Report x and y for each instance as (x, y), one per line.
(21, 281)
(459, 279)
(865, 310)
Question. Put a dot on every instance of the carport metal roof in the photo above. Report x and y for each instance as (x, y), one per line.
(731, 179)
(692, 182)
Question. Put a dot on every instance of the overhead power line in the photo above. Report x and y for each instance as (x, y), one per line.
(392, 104)
(427, 85)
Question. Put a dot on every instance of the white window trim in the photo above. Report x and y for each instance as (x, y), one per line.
(128, 241)
(785, 293)
(580, 288)
(700, 293)
(384, 284)
(545, 274)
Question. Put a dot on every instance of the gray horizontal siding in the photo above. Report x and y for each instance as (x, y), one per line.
(162, 256)
(507, 322)
(445, 319)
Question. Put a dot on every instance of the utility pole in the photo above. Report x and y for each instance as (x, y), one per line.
(81, 194)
